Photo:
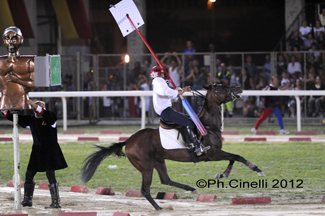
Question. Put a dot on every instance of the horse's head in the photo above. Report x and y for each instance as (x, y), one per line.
(223, 93)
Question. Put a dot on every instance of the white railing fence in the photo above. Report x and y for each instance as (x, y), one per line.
(142, 94)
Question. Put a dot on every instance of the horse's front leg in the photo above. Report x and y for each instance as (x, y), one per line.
(226, 173)
(145, 188)
(219, 155)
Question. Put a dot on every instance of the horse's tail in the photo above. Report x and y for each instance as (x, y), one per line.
(91, 163)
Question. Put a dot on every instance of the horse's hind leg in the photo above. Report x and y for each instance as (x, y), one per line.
(164, 178)
(222, 155)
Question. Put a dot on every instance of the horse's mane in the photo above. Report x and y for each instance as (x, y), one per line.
(204, 105)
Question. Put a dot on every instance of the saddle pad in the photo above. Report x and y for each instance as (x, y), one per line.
(168, 138)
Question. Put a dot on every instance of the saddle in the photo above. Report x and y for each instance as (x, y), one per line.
(181, 130)
(169, 125)
(185, 136)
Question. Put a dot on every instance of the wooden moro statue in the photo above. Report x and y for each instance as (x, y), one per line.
(16, 73)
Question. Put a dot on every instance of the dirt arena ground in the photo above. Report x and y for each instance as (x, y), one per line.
(107, 205)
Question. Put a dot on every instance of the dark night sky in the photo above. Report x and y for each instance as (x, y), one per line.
(232, 25)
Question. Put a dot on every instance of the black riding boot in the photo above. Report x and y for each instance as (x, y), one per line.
(199, 147)
(54, 190)
(28, 195)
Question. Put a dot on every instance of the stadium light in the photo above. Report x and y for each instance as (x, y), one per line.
(210, 4)
(127, 58)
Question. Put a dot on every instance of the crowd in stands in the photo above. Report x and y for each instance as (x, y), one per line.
(295, 71)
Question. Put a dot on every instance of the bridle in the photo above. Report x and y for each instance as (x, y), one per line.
(232, 94)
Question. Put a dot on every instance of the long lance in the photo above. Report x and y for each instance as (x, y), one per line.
(185, 103)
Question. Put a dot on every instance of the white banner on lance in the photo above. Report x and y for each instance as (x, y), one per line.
(119, 12)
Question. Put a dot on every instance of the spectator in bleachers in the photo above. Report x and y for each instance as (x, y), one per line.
(106, 109)
(234, 79)
(188, 53)
(296, 41)
(261, 83)
(294, 65)
(292, 100)
(281, 65)
(68, 87)
(250, 107)
(246, 80)
(321, 75)
(318, 28)
(261, 74)
(296, 76)
(315, 51)
(310, 78)
(321, 17)
(312, 63)
(315, 102)
(285, 85)
(321, 41)
(91, 102)
(198, 78)
(88, 79)
(133, 101)
(260, 99)
(187, 77)
(143, 84)
(309, 41)
(173, 68)
(304, 29)
(134, 73)
(146, 68)
(115, 85)
(207, 76)
(223, 77)
(251, 67)
(299, 56)
(247, 83)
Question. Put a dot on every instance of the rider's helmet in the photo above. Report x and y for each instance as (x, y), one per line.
(155, 72)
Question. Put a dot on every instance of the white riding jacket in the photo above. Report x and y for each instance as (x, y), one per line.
(162, 95)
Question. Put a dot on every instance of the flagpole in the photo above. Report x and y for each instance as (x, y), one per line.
(154, 55)
(185, 103)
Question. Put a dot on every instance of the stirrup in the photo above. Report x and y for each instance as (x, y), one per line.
(201, 149)
(204, 148)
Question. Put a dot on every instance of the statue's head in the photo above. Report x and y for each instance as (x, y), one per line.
(12, 38)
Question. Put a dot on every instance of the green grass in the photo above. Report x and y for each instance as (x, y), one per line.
(283, 161)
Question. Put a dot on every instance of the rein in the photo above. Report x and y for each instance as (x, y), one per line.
(197, 93)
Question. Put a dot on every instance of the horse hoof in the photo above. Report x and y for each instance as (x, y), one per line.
(218, 176)
(195, 192)
(159, 208)
(261, 174)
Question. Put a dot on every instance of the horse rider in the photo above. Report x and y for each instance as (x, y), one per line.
(162, 96)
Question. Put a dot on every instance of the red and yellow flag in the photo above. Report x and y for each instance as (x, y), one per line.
(14, 13)
(72, 17)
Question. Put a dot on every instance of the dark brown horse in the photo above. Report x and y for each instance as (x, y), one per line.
(145, 152)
